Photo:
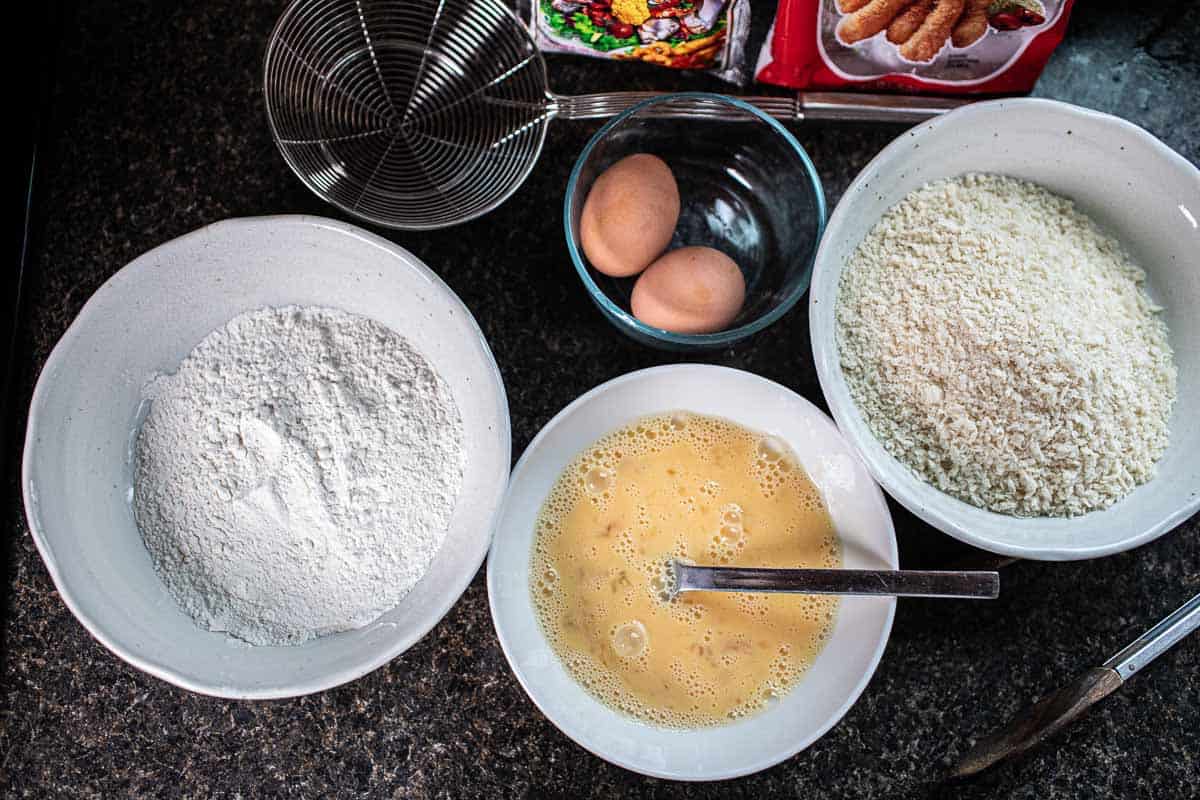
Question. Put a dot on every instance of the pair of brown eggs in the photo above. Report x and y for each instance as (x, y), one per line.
(627, 222)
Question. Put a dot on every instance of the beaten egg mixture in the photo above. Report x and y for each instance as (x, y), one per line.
(683, 486)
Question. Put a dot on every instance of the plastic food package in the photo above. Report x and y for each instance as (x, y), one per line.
(938, 46)
(681, 34)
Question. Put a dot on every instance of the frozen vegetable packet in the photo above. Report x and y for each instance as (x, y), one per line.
(707, 35)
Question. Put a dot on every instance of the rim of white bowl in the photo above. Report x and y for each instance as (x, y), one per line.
(822, 322)
(532, 693)
(339, 677)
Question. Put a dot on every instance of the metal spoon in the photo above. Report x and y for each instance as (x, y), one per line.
(897, 583)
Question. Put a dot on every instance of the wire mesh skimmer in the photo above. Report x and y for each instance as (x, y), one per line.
(420, 114)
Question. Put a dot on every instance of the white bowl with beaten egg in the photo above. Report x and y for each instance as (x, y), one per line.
(77, 476)
(835, 678)
(1133, 186)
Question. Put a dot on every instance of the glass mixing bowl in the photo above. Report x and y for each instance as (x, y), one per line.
(746, 188)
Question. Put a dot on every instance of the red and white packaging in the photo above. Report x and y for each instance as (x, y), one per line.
(927, 46)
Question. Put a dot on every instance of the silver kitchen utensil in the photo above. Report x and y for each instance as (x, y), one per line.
(427, 113)
(897, 583)
(1053, 713)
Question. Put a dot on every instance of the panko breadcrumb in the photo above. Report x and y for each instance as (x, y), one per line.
(1003, 347)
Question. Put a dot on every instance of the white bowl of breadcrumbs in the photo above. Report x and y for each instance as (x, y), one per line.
(1005, 315)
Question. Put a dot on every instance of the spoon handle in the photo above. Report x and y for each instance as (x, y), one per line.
(897, 583)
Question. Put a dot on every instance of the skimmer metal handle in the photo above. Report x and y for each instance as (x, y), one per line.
(840, 106)
(897, 583)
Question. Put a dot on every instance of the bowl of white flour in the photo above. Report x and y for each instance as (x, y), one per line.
(1003, 323)
(266, 457)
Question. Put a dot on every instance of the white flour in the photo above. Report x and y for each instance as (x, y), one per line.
(297, 474)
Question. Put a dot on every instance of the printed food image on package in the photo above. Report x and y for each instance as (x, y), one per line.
(952, 46)
(870, 38)
(682, 34)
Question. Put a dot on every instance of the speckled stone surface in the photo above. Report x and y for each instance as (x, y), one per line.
(159, 128)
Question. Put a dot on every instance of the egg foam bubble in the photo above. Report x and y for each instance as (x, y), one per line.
(687, 486)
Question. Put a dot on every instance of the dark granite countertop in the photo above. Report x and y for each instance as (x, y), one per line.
(159, 128)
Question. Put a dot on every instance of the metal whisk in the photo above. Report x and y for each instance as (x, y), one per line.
(420, 114)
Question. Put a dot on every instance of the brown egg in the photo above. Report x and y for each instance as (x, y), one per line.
(629, 215)
(690, 290)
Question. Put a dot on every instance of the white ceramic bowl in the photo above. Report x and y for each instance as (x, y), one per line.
(145, 319)
(1128, 181)
(840, 672)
